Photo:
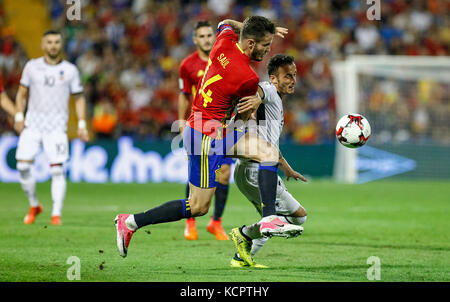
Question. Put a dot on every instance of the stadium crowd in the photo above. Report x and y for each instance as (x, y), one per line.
(128, 53)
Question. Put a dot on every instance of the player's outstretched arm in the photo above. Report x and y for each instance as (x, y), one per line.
(236, 25)
(21, 100)
(288, 171)
(183, 105)
(7, 104)
(80, 107)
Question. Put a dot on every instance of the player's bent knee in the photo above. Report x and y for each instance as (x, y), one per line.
(198, 208)
(298, 220)
(23, 166)
(200, 200)
(298, 217)
(57, 170)
(300, 212)
(269, 155)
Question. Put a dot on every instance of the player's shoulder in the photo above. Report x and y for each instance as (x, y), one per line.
(270, 91)
(40, 62)
(250, 74)
(267, 86)
(68, 65)
(190, 61)
(35, 62)
(190, 58)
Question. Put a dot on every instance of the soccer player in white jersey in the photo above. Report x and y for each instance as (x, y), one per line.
(47, 82)
(269, 116)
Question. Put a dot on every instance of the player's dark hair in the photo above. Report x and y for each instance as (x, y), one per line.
(201, 23)
(256, 27)
(52, 32)
(278, 61)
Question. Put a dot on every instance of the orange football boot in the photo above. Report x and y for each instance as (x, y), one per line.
(56, 220)
(190, 231)
(215, 228)
(34, 211)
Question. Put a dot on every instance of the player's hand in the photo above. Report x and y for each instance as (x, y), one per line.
(294, 174)
(250, 102)
(281, 31)
(181, 126)
(83, 134)
(19, 126)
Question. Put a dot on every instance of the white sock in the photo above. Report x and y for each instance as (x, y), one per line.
(257, 244)
(28, 183)
(252, 231)
(58, 189)
(131, 223)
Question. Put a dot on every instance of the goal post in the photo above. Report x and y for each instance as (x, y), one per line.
(395, 82)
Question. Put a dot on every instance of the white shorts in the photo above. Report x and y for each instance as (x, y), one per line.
(56, 146)
(246, 179)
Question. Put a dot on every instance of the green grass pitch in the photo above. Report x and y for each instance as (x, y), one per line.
(405, 224)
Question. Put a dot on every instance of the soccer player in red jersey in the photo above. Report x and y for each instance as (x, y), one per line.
(5, 101)
(191, 72)
(228, 81)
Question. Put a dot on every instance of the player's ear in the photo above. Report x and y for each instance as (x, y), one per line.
(273, 79)
(251, 44)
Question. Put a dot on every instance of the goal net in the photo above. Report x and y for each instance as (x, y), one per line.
(406, 101)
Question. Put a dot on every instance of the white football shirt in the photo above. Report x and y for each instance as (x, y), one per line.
(270, 115)
(49, 89)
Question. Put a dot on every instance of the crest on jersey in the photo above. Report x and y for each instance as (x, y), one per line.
(200, 73)
(61, 75)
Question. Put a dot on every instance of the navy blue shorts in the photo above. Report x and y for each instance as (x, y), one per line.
(206, 155)
(228, 161)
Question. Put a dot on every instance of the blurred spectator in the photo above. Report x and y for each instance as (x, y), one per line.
(104, 119)
(367, 36)
(220, 7)
(88, 63)
(131, 77)
(139, 96)
(420, 18)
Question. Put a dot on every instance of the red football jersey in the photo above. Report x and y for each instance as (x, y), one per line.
(228, 77)
(191, 72)
(1, 84)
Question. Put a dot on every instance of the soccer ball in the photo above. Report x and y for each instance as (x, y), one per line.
(353, 130)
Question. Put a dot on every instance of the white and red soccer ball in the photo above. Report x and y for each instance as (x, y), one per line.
(353, 130)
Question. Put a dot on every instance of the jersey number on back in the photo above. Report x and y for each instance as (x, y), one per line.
(207, 95)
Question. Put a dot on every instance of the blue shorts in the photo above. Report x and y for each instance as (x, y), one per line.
(206, 155)
(228, 161)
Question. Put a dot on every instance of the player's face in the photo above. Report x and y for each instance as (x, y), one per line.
(286, 79)
(52, 45)
(261, 48)
(204, 39)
